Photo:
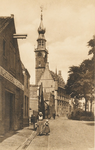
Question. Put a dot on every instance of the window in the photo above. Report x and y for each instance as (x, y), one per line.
(12, 57)
(4, 47)
(39, 64)
(41, 43)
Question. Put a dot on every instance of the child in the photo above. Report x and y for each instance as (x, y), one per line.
(46, 128)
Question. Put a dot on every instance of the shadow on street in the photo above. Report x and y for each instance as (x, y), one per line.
(7, 135)
(91, 124)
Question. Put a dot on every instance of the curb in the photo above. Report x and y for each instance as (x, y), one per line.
(27, 142)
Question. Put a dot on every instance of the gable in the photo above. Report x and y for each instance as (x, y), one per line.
(47, 81)
(46, 75)
(12, 55)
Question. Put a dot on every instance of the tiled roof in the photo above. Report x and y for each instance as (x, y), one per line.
(4, 21)
(59, 78)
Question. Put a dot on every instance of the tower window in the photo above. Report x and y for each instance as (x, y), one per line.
(39, 64)
(42, 43)
(39, 43)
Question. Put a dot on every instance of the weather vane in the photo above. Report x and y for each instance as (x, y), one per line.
(41, 8)
(41, 12)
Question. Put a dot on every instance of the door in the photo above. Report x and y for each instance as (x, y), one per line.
(9, 111)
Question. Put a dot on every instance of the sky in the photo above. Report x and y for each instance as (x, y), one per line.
(69, 24)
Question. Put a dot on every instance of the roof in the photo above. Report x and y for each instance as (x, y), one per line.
(24, 69)
(58, 78)
(4, 21)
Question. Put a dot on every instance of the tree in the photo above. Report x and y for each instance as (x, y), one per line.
(91, 43)
(80, 82)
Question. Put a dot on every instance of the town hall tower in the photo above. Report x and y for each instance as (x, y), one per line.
(41, 53)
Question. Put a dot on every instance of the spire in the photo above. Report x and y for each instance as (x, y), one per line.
(41, 29)
(41, 41)
(41, 12)
(56, 71)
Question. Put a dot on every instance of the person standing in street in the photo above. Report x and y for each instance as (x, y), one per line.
(34, 120)
(40, 124)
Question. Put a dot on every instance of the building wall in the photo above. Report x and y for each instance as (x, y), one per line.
(11, 82)
(38, 73)
(33, 99)
(47, 81)
(11, 60)
(11, 108)
(26, 99)
(93, 107)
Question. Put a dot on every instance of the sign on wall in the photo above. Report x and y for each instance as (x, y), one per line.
(10, 78)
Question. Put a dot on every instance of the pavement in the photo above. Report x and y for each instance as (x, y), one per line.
(64, 134)
(17, 140)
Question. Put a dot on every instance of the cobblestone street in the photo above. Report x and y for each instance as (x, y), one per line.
(66, 135)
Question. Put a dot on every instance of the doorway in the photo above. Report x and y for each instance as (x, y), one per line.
(9, 111)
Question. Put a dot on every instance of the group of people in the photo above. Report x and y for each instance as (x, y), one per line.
(41, 126)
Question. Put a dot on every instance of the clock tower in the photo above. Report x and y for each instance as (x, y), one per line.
(41, 53)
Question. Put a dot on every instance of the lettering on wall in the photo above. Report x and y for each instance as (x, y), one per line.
(10, 78)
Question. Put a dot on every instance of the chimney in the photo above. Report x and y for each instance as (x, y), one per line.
(12, 15)
(59, 72)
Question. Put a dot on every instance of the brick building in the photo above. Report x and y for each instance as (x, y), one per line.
(11, 78)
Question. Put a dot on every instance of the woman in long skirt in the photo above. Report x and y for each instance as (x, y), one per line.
(40, 124)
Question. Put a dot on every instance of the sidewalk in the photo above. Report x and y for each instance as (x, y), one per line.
(18, 141)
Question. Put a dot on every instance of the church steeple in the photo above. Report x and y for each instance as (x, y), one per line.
(41, 41)
(41, 29)
(41, 53)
